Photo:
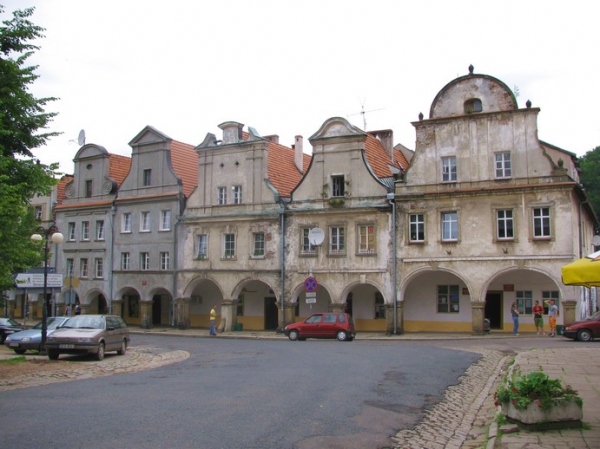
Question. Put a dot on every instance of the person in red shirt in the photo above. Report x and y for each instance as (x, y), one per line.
(538, 319)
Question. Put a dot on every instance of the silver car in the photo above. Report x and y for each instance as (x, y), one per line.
(32, 338)
(89, 334)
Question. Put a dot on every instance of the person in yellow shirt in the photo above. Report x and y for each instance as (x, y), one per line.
(213, 320)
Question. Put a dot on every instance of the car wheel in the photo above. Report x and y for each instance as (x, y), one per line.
(100, 352)
(19, 351)
(53, 355)
(293, 335)
(342, 336)
(123, 348)
(584, 335)
(2, 337)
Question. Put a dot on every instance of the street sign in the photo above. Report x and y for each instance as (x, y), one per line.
(311, 300)
(310, 284)
(311, 294)
(35, 280)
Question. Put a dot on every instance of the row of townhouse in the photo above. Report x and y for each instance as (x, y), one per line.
(482, 214)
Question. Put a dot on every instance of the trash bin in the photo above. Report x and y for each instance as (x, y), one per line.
(238, 327)
(559, 329)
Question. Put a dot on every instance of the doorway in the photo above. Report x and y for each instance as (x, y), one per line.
(271, 321)
(156, 309)
(493, 309)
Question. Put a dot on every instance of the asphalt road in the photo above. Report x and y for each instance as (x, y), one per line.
(250, 394)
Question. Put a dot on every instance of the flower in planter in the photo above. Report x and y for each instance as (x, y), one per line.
(535, 387)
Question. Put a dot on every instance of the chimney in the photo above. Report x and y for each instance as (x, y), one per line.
(299, 154)
(232, 132)
(386, 137)
(273, 138)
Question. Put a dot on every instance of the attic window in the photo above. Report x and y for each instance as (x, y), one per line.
(473, 105)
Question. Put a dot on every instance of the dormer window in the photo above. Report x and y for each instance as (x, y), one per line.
(337, 186)
(473, 105)
(147, 177)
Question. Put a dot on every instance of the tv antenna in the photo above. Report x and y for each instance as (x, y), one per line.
(80, 138)
(363, 113)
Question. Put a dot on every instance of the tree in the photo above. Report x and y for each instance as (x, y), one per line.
(590, 176)
(22, 123)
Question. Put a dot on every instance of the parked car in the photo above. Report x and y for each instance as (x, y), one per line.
(32, 338)
(585, 330)
(323, 325)
(8, 326)
(89, 334)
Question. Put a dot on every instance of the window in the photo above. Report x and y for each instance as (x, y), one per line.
(337, 186)
(366, 239)
(379, 306)
(449, 226)
(541, 222)
(448, 299)
(449, 169)
(144, 261)
(88, 188)
(229, 246)
(165, 220)
(201, 246)
(547, 296)
(38, 213)
(83, 268)
(307, 247)
(164, 261)
(505, 224)
(125, 261)
(503, 166)
(99, 264)
(524, 302)
(259, 245)
(417, 227)
(71, 231)
(126, 223)
(237, 194)
(100, 230)
(473, 105)
(70, 267)
(85, 230)
(222, 195)
(145, 222)
(337, 244)
(147, 177)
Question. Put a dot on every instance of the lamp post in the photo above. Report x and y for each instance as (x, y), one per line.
(48, 234)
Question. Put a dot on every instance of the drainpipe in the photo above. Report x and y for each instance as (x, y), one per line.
(391, 198)
(282, 258)
(113, 211)
(175, 269)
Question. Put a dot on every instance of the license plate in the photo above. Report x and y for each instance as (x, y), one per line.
(66, 346)
(14, 345)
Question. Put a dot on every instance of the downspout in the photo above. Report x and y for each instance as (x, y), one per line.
(175, 271)
(588, 291)
(392, 201)
(282, 259)
(113, 211)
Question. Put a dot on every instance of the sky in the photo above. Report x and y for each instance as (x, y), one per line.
(284, 67)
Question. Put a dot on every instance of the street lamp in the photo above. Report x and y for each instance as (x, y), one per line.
(49, 234)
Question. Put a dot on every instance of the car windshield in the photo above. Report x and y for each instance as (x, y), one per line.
(84, 322)
(9, 321)
(595, 317)
(53, 323)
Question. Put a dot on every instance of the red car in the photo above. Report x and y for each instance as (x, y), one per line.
(323, 325)
(585, 330)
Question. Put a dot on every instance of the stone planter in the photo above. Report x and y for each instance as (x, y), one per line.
(567, 413)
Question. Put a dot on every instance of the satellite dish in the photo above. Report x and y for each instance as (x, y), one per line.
(81, 138)
(316, 236)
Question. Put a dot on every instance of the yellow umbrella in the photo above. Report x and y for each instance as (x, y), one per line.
(585, 272)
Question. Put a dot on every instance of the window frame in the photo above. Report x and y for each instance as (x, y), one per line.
(222, 196)
(165, 260)
(258, 245)
(307, 248)
(201, 247)
(542, 219)
(449, 300)
(69, 266)
(83, 267)
(71, 231)
(100, 230)
(85, 230)
(145, 221)
(236, 193)
(449, 169)
(88, 188)
(367, 239)
(503, 166)
(228, 246)
(338, 186)
(444, 221)
(337, 241)
(524, 300)
(165, 220)
(98, 268)
(125, 261)
(144, 261)
(38, 212)
(147, 177)
(502, 224)
(418, 225)
(126, 223)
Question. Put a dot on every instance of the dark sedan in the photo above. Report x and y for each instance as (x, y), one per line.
(585, 330)
(8, 326)
(32, 338)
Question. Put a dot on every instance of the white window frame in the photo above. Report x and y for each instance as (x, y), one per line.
(337, 240)
(449, 169)
(145, 221)
(165, 220)
(165, 260)
(449, 229)
(416, 227)
(99, 268)
(229, 246)
(125, 261)
(83, 268)
(367, 240)
(38, 212)
(100, 230)
(502, 165)
(236, 192)
(505, 220)
(70, 266)
(221, 196)
(144, 261)
(307, 248)
(85, 230)
(71, 231)
(201, 246)
(258, 241)
(126, 223)
(541, 219)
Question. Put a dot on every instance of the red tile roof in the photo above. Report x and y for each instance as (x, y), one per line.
(60, 188)
(119, 167)
(380, 161)
(282, 171)
(184, 160)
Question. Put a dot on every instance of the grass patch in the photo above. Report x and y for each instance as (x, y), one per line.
(13, 361)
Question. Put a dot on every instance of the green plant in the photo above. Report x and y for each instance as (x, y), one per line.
(325, 192)
(336, 201)
(13, 361)
(535, 387)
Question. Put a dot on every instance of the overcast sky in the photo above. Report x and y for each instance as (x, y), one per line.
(285, 67)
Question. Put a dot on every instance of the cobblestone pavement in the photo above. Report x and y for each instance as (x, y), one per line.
(38, 370)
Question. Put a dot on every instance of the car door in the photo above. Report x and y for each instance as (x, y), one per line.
(113, 339)
(312, 326)
(330, 325)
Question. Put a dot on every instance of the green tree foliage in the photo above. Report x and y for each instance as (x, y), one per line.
(22, 124)
(590, 176)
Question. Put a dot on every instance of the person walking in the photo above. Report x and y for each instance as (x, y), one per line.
(213, 320)
(515, 316)
(538, 319)
(552, 316)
